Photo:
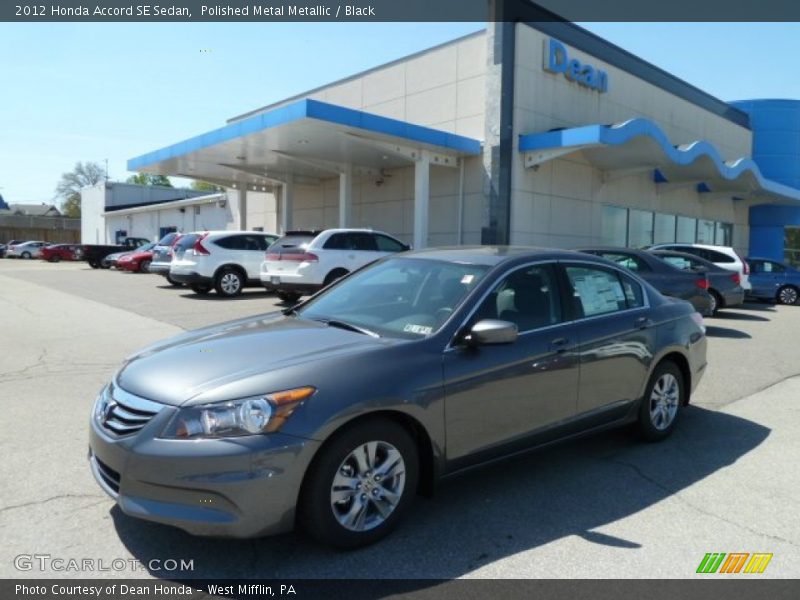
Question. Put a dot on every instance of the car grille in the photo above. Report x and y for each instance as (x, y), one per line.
(127, 414)
(108, 475)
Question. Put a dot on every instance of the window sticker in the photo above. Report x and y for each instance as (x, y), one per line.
(467, 279)
(420, 329)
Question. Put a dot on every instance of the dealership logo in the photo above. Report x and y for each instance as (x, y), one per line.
(735, 562)
(557, 60)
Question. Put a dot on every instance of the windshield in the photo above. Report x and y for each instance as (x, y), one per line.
(400, 297)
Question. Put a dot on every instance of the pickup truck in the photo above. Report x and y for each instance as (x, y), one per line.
(94, 254)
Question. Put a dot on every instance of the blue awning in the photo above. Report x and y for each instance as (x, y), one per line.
(640, 144)
(305, 138)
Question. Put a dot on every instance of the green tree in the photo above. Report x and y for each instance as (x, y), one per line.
(70, 185)
(204, 186)
(147, 179)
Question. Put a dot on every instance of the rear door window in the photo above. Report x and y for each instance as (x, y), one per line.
(718, 257)
(598, 291)
(387, 244)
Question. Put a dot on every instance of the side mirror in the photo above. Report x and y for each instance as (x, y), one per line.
(489, 332)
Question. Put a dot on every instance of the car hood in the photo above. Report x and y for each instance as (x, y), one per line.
(236, 359)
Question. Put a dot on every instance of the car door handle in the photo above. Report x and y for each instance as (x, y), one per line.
(559, 345)
(643, 323)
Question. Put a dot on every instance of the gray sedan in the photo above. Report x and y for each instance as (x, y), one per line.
(334, 414)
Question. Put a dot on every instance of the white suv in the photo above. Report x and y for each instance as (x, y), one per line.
(722, 256)
(302, 262)
(225, 260)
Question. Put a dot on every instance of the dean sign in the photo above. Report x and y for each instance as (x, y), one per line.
(557, 60)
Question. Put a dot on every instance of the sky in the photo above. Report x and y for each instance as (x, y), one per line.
(112, 91)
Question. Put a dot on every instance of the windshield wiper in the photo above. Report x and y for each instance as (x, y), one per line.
(350, 327)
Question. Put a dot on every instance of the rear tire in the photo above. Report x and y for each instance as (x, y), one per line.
(788, 294)
(661, 405)
(288, 297)
(716, 302)
(200, 288)
(360, 484)
(55, 258)
(94, 264)
(26, 255)
(229, 282)
(334, 275)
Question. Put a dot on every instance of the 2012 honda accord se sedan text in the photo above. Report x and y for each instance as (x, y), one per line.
(334, 414)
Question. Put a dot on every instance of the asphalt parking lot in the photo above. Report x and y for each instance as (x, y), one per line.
(606, 506)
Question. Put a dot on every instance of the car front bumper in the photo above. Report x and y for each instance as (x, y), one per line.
(237, 487)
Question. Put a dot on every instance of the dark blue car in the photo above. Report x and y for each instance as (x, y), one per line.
(774, 281)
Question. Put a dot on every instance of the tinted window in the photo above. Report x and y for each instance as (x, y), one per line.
(387, 244)
(232, 242)
(339, 241)
(718, 257)
(291, 244)
(365, 241)
(527, 297)
(598, 290)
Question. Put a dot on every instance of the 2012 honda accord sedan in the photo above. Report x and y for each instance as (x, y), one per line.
(334, 414)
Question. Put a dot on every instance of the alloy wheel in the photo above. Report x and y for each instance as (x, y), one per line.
(664, 401)
(230, 283)
(368, 486)
(787, 295)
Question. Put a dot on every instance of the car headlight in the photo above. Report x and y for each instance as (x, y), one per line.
(248, 416)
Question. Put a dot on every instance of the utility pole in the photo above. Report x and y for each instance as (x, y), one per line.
(106, 169)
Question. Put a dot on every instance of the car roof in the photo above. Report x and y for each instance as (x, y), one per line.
(612, 249)
(492, 255)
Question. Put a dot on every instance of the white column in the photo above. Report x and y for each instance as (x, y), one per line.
(287, 203)
(243, 207)
(346, 197)
(422, 188)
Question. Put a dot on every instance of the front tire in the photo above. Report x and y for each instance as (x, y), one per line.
(360, 485)
(288, 297)
(144, 266)
(787, 295)
(201, 288)
(55, 258)
(171, 281)
(229, 282)
(662, 401)
(26, 255)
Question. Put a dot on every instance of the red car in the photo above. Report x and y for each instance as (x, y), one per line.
(136, 262)
(58, 252)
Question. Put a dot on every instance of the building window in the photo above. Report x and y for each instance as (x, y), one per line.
(686, 230)
(724, 234)
(705, 231)
(615, 226)
(791, 246)
(640, 228)
(664, 229)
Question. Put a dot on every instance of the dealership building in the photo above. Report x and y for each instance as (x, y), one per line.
(529, 132)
